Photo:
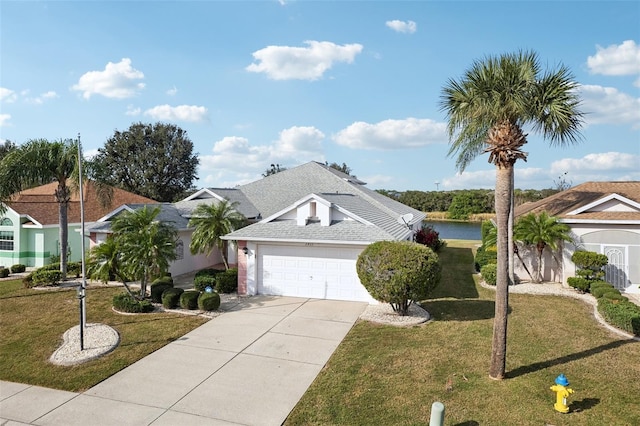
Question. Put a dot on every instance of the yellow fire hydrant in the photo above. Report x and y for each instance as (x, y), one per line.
(562, 392)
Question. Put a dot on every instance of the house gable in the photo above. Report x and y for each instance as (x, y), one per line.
(610, 203)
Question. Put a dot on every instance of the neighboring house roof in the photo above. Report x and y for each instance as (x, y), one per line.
(210, 195)
(40, 205)
(169, 213)
(378, 216)
(591, 201)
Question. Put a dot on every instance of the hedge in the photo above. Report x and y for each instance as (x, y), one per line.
(484, 257)
(46, 277)
(579, 283)
(201, 282)
(4, 272)
(622, 314)
(227, 282)
(18, 268)
(123, 302)
(489, 273)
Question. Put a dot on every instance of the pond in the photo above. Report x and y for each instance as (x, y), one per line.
(456, 230)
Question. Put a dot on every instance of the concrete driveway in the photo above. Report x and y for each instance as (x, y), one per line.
(249, 366)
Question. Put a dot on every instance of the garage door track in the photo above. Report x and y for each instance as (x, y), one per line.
(249, 366)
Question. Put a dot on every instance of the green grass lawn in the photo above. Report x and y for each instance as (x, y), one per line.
(32, 323)
(385, 375)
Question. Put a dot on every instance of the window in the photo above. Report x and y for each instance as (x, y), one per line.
(5, 221)
(6, 240)
(179, 250)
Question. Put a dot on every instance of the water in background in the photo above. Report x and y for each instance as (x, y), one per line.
(456, 230)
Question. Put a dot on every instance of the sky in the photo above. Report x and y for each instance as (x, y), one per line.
(287, 82)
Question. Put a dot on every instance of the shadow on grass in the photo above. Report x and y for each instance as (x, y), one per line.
(460, 310)
(584, 404)
(457, 274)
(526, 369)
(468, 423)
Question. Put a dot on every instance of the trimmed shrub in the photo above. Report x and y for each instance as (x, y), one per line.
(598, 291)
(163, 280)
(208, 301)
(485, 257)
(598, 284)
(156, 289)
(204, 281)
(398, 272)
(589, 264)
(429, 237)
(209, 272)
(579, 283)
(27, 281)
(622, 314)
(171, 297)
(489, 273)
(123, 302)
(189, 299)
(46, 277)
(4, 272)
(227, 282)
(74, 268)
(18, 268)
(614, 296)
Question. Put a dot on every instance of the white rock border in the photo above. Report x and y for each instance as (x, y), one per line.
(383, 313)
(99, 339)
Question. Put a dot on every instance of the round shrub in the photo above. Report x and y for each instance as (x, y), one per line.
(201, 282)
(171, 297)
(597, 292)
(227, 282)
(18, 268)
(208, 301)
(163, 280)
(489, 273)
(46, 277)
(4, 272)
(579, 283)
(209, 272)
(398, 272)
(123, 302)
(157, 288)
(189, 299)
(484, 257)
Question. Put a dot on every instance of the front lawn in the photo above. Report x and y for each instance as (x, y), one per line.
(387, 375)
(32, 323)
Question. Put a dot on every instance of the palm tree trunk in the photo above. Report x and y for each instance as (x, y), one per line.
(512, 276)
(503, 204)
(540, 249)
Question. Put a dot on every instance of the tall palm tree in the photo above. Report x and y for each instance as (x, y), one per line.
(212, 221)
(147, 245)
(542, 231)
(486, 112)
(39, 162)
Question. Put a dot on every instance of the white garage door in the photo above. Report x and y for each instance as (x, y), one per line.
(314, 272)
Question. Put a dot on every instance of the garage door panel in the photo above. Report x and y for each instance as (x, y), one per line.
(314, 272)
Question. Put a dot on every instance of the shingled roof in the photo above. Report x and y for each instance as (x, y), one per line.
(39, 203)
(591, 201)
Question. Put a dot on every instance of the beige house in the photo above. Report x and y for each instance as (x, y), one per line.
(605, 218)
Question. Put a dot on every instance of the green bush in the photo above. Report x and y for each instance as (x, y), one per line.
(579, 283)
(189, 299)
(208, 301)
(46, 277)
(622, 314)
(4, 272)
(398, 272)
(227, 282)
(203, 281)
(123, 302)
(157, 288)
(598, 291)
(209, 272)
(489, 272)
(163, 280)
(614, 296)
(171, 297)
(484, 257)
(598, 284)
(18, 268)
(74, 269)
(27, 281)
(589, 264)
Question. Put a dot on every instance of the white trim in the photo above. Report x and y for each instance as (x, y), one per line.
(600, 201)
(198, 193)
(112, 213)
(293, 241)
(602, 221)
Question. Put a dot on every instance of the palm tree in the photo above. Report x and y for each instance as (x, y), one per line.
(146, 244)
(486, 112)
(105, 263)
(212, 221)
(542, 231)
(39, 162)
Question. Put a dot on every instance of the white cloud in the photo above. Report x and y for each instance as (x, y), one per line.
(7, 95)
(623, 59)
(118, 81)
(408, 27)
(376, 180)
(295, 145)
(392, 134)
(132, 111)
(301, 63)
(4, 120)
(610, 162)
(39, 100)
(172, 91)
(606, 105)
(191, 113)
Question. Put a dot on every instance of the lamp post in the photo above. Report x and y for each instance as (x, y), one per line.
(83, 285)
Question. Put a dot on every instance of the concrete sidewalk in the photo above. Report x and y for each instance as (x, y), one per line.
(249, 366)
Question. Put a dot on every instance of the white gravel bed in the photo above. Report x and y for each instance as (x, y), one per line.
(383, 313)
(99, 339)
